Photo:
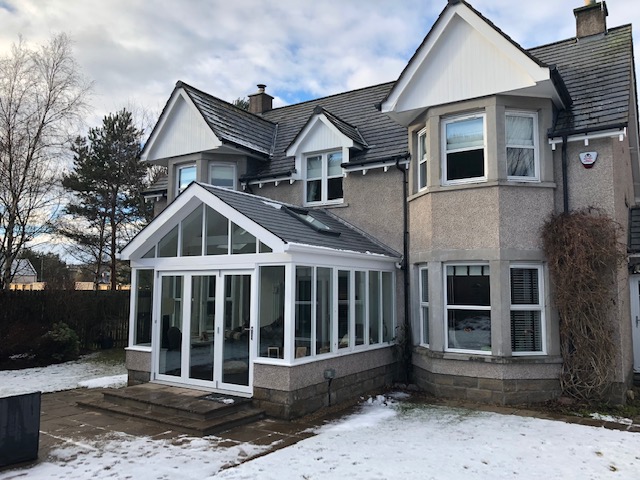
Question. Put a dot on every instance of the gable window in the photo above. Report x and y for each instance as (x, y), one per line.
(422, 159)
(522, 151)
(323, 178)
(464, 152)
(223, 175)
(184, 176)
(527, 323)
(468, 308)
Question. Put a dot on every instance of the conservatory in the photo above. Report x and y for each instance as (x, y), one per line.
(224, 282)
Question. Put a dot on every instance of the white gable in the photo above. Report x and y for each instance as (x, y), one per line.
(464, 57)
(318, 135)
(181, 131)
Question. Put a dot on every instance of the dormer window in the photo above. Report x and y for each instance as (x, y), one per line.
(323, 178)
(522, 152)
(184, 176)
(223, 175)
(464, 152)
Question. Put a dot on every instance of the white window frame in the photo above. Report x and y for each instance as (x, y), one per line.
(324, 178)
(447, 307)
(422, 159)
(424, 336)
(534, 307)
(233, 166)
(179, 170)
(445, 152)
(535, 147)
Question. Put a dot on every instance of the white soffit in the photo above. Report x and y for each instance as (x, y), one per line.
(181, 131)
(317, 135)
(463, 57)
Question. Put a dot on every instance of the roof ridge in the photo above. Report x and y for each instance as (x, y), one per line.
(575, 39)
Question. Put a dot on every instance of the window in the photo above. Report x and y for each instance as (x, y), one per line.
(424, 305)
(271, 310)
(527, 325)
(304, 282)
(168, 245)
(521, 141)
(324, 178)
(422, 159)
(464, 158)
(185, 175)
(192, 233)
(344, 308)
(468, 308)
(143, 307)
(223, 175)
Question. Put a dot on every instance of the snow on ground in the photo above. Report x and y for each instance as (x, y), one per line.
(387, 438)
(89, 371)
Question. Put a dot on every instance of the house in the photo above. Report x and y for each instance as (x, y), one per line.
(304, 254)
(25, 276)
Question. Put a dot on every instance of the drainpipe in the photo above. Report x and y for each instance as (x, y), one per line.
(407, 346)
(565, 181)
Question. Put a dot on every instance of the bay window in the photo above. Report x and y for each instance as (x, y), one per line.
(323, 174)
(464, 149)
(422, 159)
(468, 308)
(223, 175)
(184, 176)
(424, 305)
(527, 315)
(522, 149)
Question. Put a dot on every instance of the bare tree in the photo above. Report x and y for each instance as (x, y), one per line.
(42, 96)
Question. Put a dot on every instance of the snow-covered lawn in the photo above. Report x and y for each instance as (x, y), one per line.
(386, 438)
(90, 371)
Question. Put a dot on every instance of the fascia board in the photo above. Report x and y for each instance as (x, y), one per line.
(293, 248)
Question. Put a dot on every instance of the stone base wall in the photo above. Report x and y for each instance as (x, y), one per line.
(136, 377)
(504, 381)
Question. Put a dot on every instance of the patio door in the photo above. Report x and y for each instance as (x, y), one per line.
(205, 336)
(634, 281)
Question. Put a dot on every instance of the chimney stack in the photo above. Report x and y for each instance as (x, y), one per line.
(591, 19)
(260, 102)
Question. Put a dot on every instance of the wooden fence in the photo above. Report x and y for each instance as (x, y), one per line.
(100, 318)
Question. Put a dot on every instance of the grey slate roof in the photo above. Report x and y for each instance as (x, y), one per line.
(345, 128)
(597, 72)
(634, 230)
(272, 216)
(232, 124)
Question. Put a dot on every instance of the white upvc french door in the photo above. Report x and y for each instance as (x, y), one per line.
(634, 286)
(204, 333)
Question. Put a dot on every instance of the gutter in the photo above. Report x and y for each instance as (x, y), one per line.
(408, 337)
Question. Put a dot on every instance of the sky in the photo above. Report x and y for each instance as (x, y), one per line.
(136, 50)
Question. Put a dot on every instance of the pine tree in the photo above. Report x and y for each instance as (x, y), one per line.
(107, 182)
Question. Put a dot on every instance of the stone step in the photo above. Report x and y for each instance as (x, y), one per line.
(193, 426)
(176, 402)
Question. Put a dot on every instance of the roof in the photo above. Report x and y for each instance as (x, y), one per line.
(274, 217)
(598, 73)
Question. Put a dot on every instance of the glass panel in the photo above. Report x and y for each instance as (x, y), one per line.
(186, 175)
(334, 160)
(203, 307)
(314, 191)
(171, 331)
(469, 329)
(222, 176)
(470, 288)
(468, 133)
(151, 253)
(192, 233)
(387, 307)
(424, 312)
(241, 240)
(423, 175)
(526, 331)
(361, 306)
(217, 233)
(334, 189)
(344, 311)
(262, 248)
(168, 245)
(524, 286)
(304, 276)
(314, 167)
(521, 162)
(519, 130)
(324, 309)
(143, 308)
(424, 285)
(237, 317)
(374, 307)
(422, 160)
(272, 290)
(467, 164)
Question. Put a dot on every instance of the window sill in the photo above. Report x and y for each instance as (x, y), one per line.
(471, 357)
(492, 183)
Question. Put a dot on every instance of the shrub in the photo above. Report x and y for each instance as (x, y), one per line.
(60, 344)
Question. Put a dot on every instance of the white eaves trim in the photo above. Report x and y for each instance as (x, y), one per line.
(621, 133)
(372, 166)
